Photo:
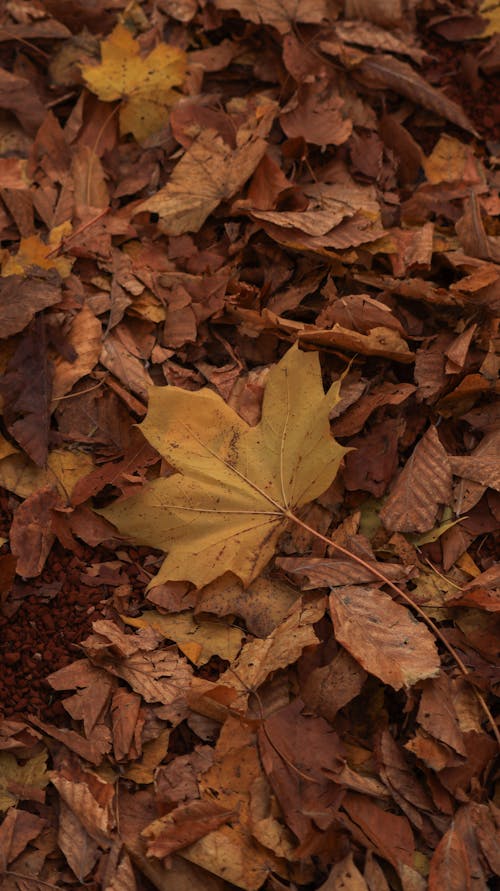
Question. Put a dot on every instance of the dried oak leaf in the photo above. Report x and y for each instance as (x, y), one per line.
(281, 14)
(210, 171)
(145, 85)
(235, 485)
(424, 483)
(383, 636)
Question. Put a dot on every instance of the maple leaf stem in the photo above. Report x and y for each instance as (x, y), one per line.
(406, 597)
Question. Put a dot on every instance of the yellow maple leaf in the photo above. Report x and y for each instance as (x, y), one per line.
(34, 252)
(489, 10)
(236, 485)
(144, 85)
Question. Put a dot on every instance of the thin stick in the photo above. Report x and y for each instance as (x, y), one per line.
(406, 597)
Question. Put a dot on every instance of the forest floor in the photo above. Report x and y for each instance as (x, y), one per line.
(251, 643)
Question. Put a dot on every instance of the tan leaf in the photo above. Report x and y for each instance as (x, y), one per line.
(383, 636)
(423, 484)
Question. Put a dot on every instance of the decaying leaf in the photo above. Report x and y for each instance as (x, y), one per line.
(236, 484)
(145, 86)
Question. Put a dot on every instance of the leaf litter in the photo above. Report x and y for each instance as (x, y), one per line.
(232, 232)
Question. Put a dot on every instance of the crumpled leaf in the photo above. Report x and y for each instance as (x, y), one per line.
(145, 85)
(383, 636)
(209, 172)
(236, 485)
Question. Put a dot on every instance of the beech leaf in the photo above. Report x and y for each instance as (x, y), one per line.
(236, 485)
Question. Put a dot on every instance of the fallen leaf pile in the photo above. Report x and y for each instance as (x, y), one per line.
(249, 294)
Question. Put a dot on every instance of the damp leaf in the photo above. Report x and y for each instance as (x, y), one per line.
(145, 85)
(236, 486)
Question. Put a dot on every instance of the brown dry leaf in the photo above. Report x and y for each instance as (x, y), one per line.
(236, 485)
(379, 342)
(453, 161)
(79, 848)
(128, 368)
(322, 572)
(389, 834)
(328, 688)
(280, 14)
(383, 636)
(145, 86)
(450, 865)
(183, 826)
(381, 71)
(375, 37)
(90, 798)
(85, 337)
(423, 484)
(17, 830)
(31, 535)
(263, 604)
(22, 297)
(316, 115)
(26, 388)
(210, 171)
(17, 94)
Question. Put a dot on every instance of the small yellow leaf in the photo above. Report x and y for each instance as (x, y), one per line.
(144, 85)
(236, 485)
(34, 252)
